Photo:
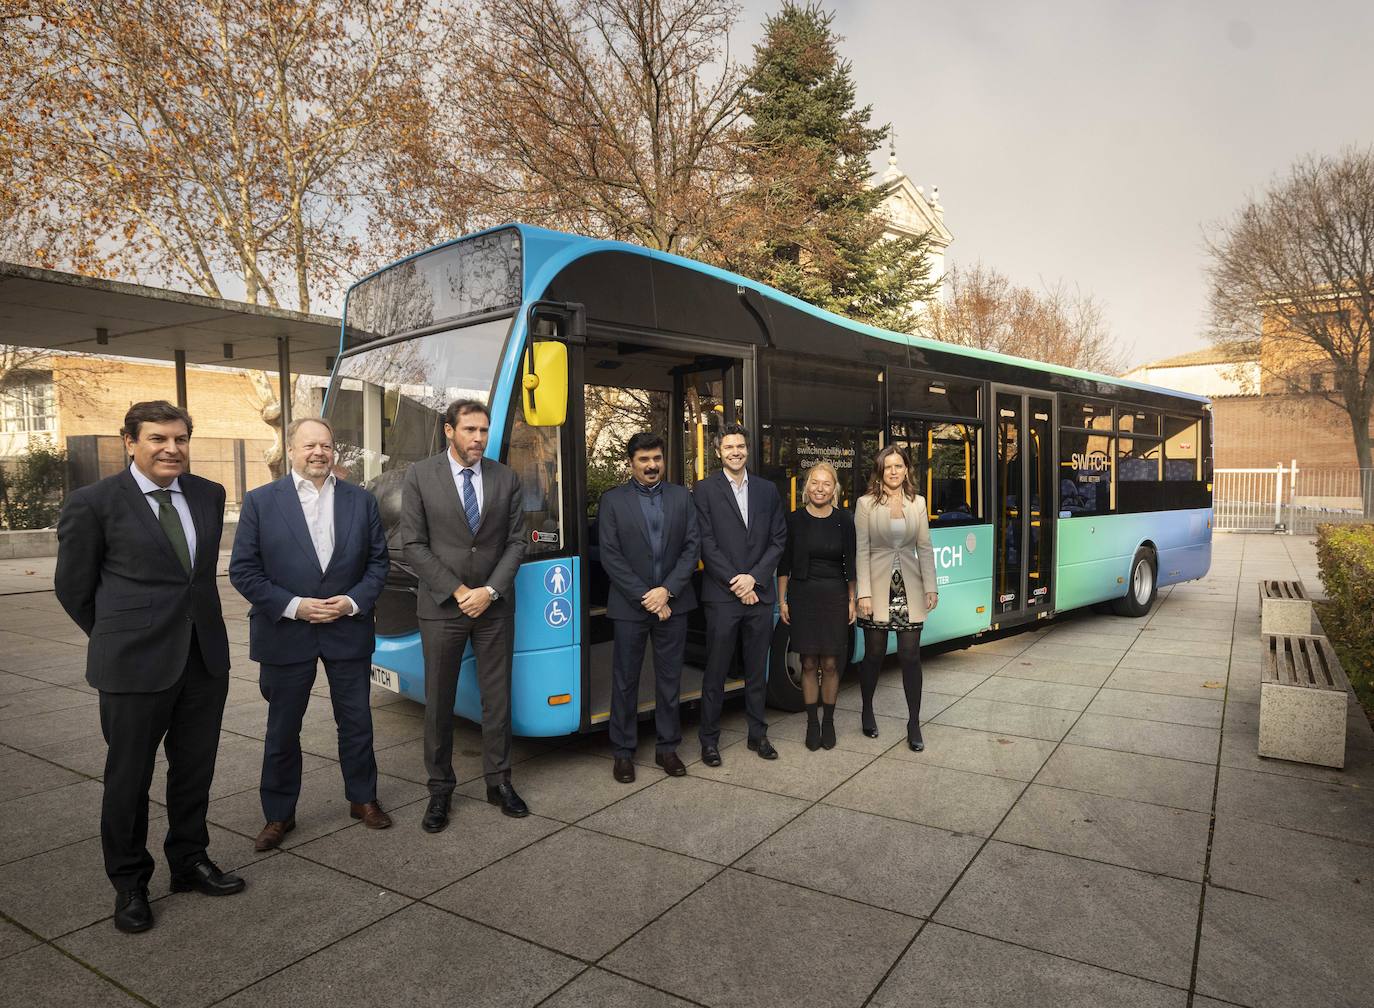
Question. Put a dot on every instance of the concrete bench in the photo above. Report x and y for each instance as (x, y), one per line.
(1284, 608)
(1303, 699)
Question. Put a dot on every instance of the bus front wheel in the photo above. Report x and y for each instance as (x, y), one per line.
(1140, 586)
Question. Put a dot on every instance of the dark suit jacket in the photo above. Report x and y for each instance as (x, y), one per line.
(274, 561)
(728, 547)
(438, 546)
(120, 580)
(628, 557)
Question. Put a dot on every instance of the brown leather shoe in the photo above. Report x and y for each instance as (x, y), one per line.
(273, 834)
(370, 813)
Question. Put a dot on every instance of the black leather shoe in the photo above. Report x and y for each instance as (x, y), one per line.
(813, 735)
(132, 912)
(436, 815)
(624, 770)
(828, 734)
(511, 803)
(763, 747)
(710, 755)
(205, 877)
(671, 763)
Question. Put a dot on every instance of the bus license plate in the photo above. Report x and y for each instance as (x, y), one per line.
(385, 678)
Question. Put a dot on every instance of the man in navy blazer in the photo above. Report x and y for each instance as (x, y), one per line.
(310, 555)
(648, 535)
(743, 533)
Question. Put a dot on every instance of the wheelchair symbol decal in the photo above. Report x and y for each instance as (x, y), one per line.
(557, 580)
(558, 613)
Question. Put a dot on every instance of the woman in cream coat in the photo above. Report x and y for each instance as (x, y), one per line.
(896, 590)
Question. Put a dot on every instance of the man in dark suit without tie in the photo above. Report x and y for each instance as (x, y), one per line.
(136, 561)
(310, 555)
(647, 529)
(463, 532)
(743, 534)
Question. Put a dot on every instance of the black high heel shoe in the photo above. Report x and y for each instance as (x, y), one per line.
(870, 724)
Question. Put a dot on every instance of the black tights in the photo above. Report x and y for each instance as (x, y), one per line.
(909, 655)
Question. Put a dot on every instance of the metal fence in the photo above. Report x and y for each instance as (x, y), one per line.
(1290, 498)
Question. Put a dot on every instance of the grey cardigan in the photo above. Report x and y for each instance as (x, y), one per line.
(875, 557)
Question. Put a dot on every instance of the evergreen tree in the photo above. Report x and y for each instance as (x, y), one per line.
(807, 223)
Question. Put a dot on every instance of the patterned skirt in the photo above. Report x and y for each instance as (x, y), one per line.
(897, 618)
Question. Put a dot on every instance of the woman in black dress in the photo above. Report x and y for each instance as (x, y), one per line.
(816, 591)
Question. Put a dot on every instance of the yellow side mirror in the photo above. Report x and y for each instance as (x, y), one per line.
(544, 385)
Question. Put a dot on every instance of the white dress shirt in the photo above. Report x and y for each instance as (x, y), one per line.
(318, 506)
(457, 468)
(741, 490)
(147, 486)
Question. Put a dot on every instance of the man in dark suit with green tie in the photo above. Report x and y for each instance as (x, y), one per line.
(136, 569)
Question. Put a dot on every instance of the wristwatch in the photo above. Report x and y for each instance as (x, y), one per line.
(494, 593)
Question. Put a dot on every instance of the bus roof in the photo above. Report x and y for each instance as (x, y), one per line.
(546, 251)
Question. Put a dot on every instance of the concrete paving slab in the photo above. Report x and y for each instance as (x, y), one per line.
(931, 795)
(1009, 718)
(1151, 838)
(290, 909)
(669, 815)
(1108, 916)
(565, 786)
(797, 772)
(43, 977)
(885, 863)
(1047, 670)
(946, 968)
(1154, 779)
(1012, 756)
(49, 819)
(617, 889)
(1333, 810)
(848, 731)
(1014, 689)
(598, 989)
(1184, 684)
(1332, 877)
(1262, 952)
(321, 809)
(66, 889)
(1151, 738)
(797, 961)
(408, 860)
(22, 774)
(419, 956)
(1158, 707)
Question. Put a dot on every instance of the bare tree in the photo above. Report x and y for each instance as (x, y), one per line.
(1293, 269)
(1057, 325)
(595, 116)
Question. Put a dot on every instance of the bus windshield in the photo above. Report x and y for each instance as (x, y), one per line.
(387, 402)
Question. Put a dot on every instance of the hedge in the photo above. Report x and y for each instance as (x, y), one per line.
(1345, 554)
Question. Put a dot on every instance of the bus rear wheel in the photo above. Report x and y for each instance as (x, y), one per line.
(1140, 586)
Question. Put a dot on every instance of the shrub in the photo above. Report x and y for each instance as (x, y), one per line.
(31, 491)
(1345, 554)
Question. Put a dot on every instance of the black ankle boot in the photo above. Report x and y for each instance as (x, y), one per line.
(828, 727)
(813, 728)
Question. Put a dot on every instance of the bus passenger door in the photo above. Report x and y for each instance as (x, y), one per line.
(1024, 496)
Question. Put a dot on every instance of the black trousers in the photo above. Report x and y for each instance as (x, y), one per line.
(188, 716)
(669, 639)
(286, 688)
(728, 623)
(443, 642)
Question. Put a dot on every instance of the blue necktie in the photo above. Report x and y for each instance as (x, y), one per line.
(470, 502)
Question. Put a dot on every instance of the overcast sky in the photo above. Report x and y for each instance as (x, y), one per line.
(1093, 141)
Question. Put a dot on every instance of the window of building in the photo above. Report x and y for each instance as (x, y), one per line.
(27, 404)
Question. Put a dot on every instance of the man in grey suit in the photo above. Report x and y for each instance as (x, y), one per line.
(463, 533)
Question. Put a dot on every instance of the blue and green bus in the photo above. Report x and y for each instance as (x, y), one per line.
(1048, 488)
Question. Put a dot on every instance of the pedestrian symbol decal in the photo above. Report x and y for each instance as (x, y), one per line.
(557, 580)
(558, 613)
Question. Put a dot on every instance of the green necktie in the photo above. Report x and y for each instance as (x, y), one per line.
(171, 524)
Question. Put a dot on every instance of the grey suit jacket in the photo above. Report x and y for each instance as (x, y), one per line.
(442, 551)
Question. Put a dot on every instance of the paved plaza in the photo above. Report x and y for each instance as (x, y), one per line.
(1089, 826)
